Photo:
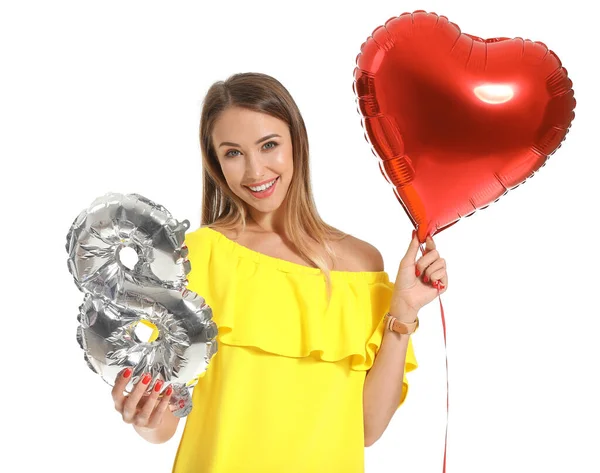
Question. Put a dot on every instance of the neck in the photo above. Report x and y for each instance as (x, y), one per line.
(268, 222)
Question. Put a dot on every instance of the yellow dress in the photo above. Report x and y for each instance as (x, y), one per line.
(283, 393)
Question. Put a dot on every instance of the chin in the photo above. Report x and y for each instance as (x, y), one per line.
(266, 207)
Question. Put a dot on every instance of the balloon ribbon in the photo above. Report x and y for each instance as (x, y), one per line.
(446, 355)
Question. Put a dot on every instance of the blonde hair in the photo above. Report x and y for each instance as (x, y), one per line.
(221, 207)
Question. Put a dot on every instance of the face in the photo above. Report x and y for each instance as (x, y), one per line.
(255, 153)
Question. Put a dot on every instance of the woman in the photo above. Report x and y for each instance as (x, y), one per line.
(310, 366)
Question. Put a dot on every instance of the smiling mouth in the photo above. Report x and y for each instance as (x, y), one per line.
(264, 187)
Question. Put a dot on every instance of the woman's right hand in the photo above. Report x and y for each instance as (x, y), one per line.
(140, 408)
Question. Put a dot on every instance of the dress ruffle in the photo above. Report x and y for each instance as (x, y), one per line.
(281, 307)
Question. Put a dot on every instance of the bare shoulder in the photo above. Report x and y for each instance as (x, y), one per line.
(354, 254)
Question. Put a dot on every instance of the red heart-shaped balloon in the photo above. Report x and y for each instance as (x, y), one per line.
(457, 120)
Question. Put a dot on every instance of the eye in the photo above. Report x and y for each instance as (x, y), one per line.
(274, 143)
(229, 155)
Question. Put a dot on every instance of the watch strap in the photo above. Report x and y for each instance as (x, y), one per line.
(404, 328)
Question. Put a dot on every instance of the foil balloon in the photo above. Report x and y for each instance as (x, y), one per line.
(456, 120)
(127, 254)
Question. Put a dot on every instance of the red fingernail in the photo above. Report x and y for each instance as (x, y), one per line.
(425, 279)
(435, 284)
(181, 404)
(159, 383)
(146, 379)
(417, 272)
(169, 391)
(442, 287)
(127, 373)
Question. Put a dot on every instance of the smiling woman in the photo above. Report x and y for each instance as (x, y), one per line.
(252, 133)
(314, 339)
(254, 169)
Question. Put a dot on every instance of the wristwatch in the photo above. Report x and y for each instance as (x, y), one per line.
(404, 328)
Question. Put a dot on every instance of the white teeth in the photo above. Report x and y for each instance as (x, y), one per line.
(263, 187)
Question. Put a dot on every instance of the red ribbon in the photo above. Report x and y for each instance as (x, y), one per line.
(447, 386)
(447, 393)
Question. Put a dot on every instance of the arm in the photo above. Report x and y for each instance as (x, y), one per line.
(417, 284)
(383, 385)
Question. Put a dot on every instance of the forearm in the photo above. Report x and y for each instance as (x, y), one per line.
(383, 385)
(163, 432)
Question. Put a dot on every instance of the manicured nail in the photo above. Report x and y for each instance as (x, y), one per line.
(159, 383)
(441, 287)
(414, 232)
(181, 404)
(417, 272)
(435, 284)
(169, 391)
(146, 379)
(127, 373)
(425, 279)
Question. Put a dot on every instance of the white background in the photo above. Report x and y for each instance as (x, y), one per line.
(106, 96)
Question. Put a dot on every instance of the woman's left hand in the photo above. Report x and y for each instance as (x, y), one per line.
(418, 281)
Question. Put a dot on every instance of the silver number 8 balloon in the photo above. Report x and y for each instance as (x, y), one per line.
(127, 255)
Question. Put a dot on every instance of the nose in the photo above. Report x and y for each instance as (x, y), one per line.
(254, 165)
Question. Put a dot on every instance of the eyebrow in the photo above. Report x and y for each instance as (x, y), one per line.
(264, 138)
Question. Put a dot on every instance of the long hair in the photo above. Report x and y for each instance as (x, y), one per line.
(221, 207)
